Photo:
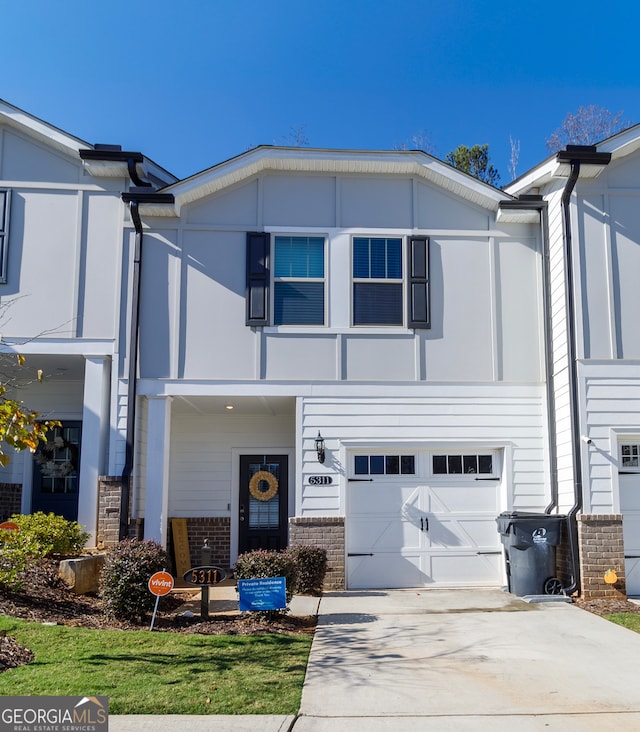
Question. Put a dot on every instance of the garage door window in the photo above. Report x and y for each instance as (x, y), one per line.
(385, 465)
(629, 454)
(479, 464)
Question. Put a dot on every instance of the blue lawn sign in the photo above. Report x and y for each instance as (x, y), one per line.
(265, 593)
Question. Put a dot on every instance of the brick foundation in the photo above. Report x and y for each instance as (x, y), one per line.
(10, 499)
(326, 533)
(601, 548)
(218, 532)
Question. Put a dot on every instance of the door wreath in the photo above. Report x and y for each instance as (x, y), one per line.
(254, 485)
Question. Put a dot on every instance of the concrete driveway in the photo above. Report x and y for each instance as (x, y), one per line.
(467, 660)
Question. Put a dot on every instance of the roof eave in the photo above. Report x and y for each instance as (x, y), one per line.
(305, 160)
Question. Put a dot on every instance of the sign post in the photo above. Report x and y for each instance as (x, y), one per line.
(160, 583)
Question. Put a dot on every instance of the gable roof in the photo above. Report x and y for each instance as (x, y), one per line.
(40, 130)
(556, 166)
(51, 136)
(267, 158)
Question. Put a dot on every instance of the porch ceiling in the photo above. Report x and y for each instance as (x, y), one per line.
(244, 405)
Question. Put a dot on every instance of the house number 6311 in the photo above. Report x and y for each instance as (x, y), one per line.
(320, 480)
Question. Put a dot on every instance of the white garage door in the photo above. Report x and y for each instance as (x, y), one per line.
(437, 529)
(630, 509)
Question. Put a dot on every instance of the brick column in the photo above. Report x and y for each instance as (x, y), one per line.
(108, 530)
(10, 500)
(601, 548)
(326, 533)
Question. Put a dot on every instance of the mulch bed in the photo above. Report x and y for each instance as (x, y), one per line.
(46, 599)
(607, 606)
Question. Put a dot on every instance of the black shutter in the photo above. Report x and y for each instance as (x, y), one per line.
(419, 315)
(257, 279)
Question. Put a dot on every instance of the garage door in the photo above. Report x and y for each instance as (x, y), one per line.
(423, 520)
(630, 508)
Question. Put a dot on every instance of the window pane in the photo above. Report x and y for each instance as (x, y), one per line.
(455, 464)
(470, 464)
(393, 465)
(376, 465)
(408, 465)
(377, 304)
(394, 259)
(299, 303)
(299, 256)
(361, 258)
(485, 464)
(378, 248)
(439, 464)
(362, 465)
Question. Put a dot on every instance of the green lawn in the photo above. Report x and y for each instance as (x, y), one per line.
(145, 672)
(629, 620)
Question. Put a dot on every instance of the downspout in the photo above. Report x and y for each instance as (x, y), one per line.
(572, 527)
(125, 479)
(575, 155)
(134, 199)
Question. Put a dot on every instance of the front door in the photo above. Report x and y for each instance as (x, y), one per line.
(55, 472)
(262, 502)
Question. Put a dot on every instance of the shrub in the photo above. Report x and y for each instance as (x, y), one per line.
(46, 535)
(265, 563)
(40, 536)
(311, 567)
(124, 580)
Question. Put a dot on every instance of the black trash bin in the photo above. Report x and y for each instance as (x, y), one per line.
(530, 541)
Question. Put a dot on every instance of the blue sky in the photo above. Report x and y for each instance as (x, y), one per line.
(193, 83)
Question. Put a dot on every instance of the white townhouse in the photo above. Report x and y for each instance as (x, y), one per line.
(63, 269)
(344, 348)
(593, 198)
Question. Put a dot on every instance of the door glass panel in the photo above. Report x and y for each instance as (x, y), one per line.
(264, 514)
(58, 461)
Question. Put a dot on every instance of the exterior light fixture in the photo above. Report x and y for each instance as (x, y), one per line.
(319, 445)
(228, 406)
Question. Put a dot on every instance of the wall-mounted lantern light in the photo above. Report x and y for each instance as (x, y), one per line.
(319, 444)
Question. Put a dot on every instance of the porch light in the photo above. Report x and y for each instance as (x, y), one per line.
(319, 445)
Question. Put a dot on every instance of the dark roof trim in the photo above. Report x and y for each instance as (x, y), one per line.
(524, 202)
(586, 154)
(146, 197)
(111, 155)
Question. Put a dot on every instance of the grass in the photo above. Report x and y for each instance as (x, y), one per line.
(145, 672)
(628, 620)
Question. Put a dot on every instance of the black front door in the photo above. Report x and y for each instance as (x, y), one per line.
(263, 502)
(56, 464)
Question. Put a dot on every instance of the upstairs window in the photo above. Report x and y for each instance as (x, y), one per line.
(299, 280)
(377, 281)
(5, 199)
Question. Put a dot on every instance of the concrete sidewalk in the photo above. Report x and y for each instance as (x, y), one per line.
(450, 660)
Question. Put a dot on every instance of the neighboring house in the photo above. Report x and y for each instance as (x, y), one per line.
(593, 197)
(62, 265)
(368, 299)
